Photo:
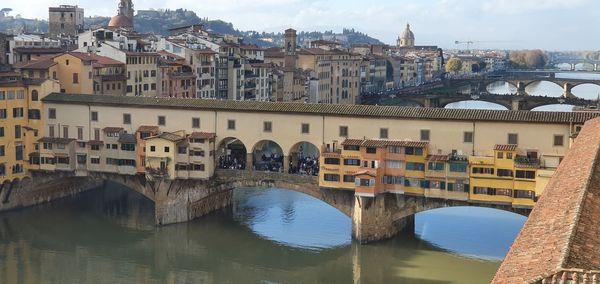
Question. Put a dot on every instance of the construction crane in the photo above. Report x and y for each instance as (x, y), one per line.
(469, 43)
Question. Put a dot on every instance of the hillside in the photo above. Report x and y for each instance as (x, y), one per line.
(159, 21)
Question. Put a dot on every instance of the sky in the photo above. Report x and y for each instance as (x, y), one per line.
(504, 24)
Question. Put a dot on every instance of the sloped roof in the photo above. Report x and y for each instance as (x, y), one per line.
(327, 109)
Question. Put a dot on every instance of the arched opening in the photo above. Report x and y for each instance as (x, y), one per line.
(588, 91)
(304, 159)
(555, 107)
(544, 89)
(477, 232)
(287, 217)
(232, 154)
(267, 156)
(472, 104)
(501, 88)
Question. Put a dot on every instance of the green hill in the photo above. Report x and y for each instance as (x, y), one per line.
(159, 21)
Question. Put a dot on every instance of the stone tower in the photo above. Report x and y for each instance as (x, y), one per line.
(290, 48)
(126, 8)
(407, 38)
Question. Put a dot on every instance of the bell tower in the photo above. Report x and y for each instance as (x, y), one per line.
(290, 45)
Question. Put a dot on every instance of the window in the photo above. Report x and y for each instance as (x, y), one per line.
(94, 116)
(332, 161)
(34, 96)
(162, 120)
(182, 150)
(500, 155)
(349, 178)
(425, 135)
(410, 166)
(152, 148)
(509, 156)
(524, 194)
(513, 139)
(97, 134)
(17, 131)
(17, 112)
(412, 151)
(128, 147)
(3, 113)
(394, 164)
(19, 152)
(95, 147)
(505, 173)
(2, 151)
(1, 131)
(95, 161)
(352, 162)
(468, 137)
(383, 133)
(559, 140)
(79, 133)
(196, 122)
(126, 118)
(305, 128)
(433, 166)
(51, 130)
(482, 171)
(331, 177)
(52, 113)
(268, 126)
(34, 114)
(458, 167)
(351, 148)
(343, 131)
(65, 131)
(75, 78)
(393, 180)
(231, 124)
(525, 174)
(371, 150)
(198, 168)
(167, 149)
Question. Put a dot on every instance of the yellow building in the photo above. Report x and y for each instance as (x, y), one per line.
(21, 122)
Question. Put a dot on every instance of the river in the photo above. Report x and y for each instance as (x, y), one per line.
(268, 236)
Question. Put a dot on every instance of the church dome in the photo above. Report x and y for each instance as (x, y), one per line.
(407, 34)
(120, 21)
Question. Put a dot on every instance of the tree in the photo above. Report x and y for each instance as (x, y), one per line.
(530, 59)
(454, 65)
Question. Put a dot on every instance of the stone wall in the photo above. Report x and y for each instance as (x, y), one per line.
(41, 188)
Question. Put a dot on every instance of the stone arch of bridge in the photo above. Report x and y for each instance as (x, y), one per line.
(556, 82)
(342, 200)
(137, 183)
(420, 204)
(491, 82)
(595, 83)
(506, 105)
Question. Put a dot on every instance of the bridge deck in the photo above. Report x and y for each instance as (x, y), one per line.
(560, 239)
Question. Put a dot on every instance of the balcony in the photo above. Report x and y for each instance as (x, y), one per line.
(181, 75)
(526, 162)
(250, 86)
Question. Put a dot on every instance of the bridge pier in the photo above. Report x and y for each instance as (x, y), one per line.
(521, 86)
(567, 91)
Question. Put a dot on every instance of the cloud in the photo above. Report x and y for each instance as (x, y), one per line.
(515, 7)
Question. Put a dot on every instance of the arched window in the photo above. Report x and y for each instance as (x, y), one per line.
(34, 96)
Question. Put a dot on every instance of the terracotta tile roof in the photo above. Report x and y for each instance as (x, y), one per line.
(393, 143)
(562, 230)
(56, 140)
(168, 136)
(149, 128)
(127, 138)
(34, 50)
(102, 60)
(328, 109)
(36, 64)
(113, 129)
(352, 142)
(369, 173)
(203, 135)
(95, 142)
(505, 147)
(437, 158)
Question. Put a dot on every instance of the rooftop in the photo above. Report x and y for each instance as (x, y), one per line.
(326, 109)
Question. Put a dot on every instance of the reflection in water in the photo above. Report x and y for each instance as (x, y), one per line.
(475, 105)
(107, 236)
